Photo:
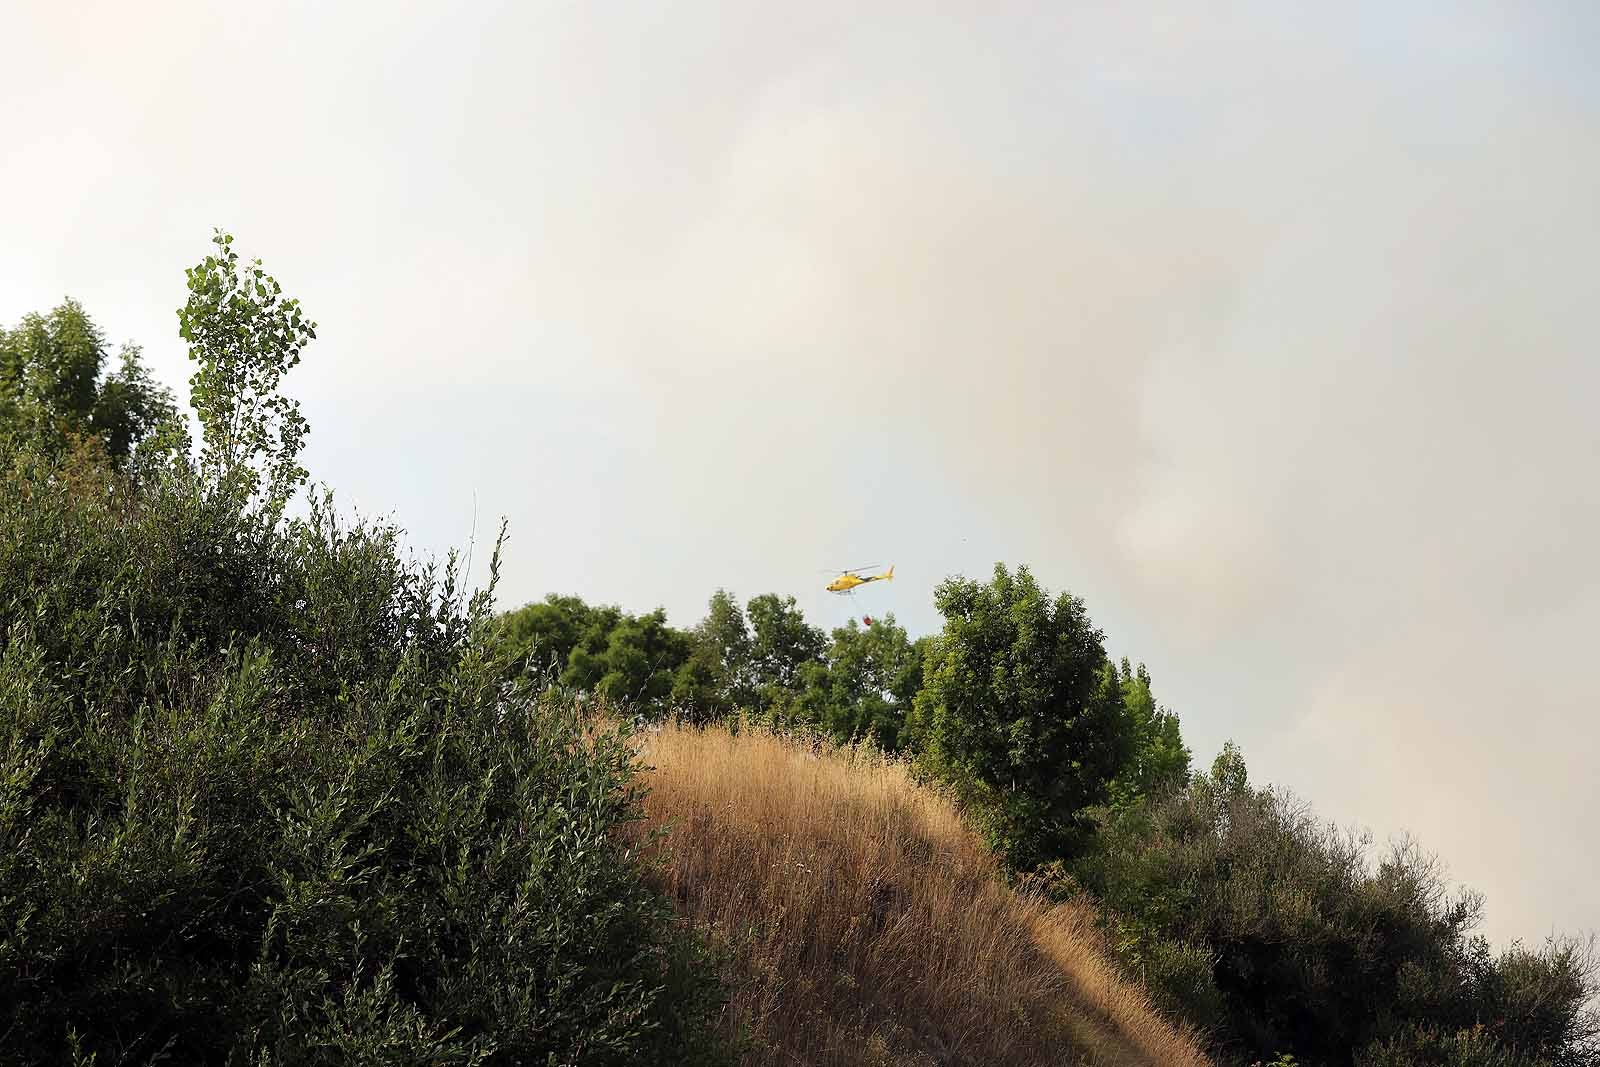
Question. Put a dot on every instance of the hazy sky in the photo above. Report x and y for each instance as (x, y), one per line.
(1271, 330)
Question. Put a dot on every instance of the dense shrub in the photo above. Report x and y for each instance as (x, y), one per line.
(267, 792)
(1422, 1046)
(1311, 949)
(264, 797)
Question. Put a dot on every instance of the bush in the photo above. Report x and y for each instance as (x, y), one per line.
(1421, 1046)
(1313, 949)
(266, 797)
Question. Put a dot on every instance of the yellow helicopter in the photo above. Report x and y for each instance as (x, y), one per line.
(852, 578)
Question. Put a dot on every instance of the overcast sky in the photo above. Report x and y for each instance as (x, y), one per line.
(1271, 330)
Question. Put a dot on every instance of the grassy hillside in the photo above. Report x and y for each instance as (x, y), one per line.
(866, 925)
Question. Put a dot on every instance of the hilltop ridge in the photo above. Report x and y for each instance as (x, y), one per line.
(863, 923)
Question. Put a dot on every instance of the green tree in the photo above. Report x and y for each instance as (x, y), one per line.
(715, 680)
(633, 660)
(245, 336)
(781, 643)
(726, 634)
(541, 637)
(642, 656)
(1159, 760)
(587, 663)
(872, 678)
(1229, 775)
(698, 692)
(54, 387)
(1021, 710)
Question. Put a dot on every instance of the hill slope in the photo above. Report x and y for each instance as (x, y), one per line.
(867, 925)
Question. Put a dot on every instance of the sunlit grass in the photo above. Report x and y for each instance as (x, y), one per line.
(867, 925)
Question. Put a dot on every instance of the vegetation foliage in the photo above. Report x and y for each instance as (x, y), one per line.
(1245, 916)
(1250, 917)
(271, 792)
(267, 793)
(54, 389)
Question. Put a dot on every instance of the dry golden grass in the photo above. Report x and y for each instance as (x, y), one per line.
(868, 925)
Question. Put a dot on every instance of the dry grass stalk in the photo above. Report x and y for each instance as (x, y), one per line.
(868, 925)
